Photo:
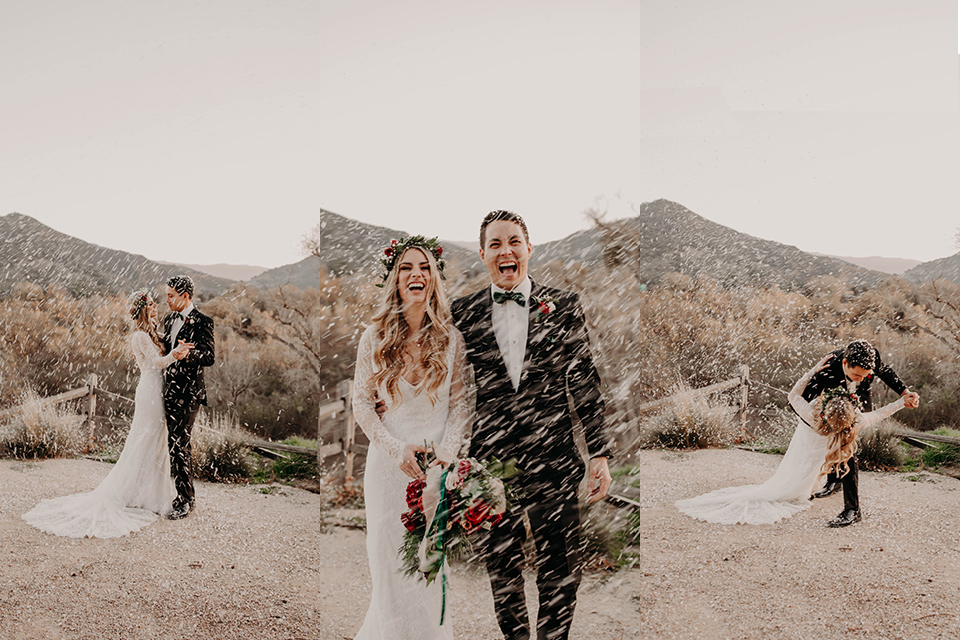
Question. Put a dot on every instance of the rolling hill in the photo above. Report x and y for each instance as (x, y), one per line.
(33, 252)
(948, 268)
(349, 246)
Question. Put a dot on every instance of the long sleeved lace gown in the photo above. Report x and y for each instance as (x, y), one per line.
(786, 492)
(139, 487)
(403, 608)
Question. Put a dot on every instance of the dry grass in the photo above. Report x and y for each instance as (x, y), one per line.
(690, 422)
(881, 449)
(39, 430)
(219, 454)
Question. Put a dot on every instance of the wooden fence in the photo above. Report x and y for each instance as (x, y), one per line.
(88, 391)
(344, 427)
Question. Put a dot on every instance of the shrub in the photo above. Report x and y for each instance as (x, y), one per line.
(880, 450)
(294, 465)
(942, 454)
(690, 422)
(219, 452)
(39, 430)
(777, 434)
(606, 534)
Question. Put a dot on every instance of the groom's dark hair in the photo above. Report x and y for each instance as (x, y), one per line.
(181, 284)
(860, 353)
(509, 216)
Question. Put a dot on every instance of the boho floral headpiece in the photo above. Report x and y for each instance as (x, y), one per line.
(836, 392)
(139, 300)
(398, 247)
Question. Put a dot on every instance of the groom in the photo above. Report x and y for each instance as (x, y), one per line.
(530, 353)
(854, 368)
(183, 387)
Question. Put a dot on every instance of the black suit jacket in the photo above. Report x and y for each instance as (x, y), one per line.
(833, 376)
(183, 379)
(534, 423)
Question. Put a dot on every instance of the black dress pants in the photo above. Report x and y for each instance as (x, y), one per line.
(849, 482)
(556, 534)
(181, 415)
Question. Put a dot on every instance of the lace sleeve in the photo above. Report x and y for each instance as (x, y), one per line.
(147, 353)
(870, 419)
(803, 408)
(365, 400)
(460, 415)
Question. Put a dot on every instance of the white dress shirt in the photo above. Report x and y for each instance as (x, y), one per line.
(177, 325)
(510, 325)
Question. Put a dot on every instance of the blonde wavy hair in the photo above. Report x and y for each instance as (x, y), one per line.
(140, 316)
(840, 422)
(392, 331)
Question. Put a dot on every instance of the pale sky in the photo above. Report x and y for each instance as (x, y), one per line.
(204, 132)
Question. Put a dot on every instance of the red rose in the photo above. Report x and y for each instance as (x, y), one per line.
(439, 251)
(412, 519)
(415, 494)
(393, 243)
(475, 516)
(388, 252)
(544, 308)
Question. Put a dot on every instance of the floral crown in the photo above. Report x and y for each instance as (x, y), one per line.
(139, 300)
(836, 392)
(398, 247)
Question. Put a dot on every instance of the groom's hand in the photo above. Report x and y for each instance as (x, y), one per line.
(911, 399)
(380, 407)
(599, 482)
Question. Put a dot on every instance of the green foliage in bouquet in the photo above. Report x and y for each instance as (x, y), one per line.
(471, 497)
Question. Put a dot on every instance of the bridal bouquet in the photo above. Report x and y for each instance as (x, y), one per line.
(448, 508)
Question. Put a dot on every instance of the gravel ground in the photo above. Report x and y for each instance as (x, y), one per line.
(252, 565)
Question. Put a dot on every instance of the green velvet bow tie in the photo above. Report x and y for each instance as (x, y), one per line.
(502, 296)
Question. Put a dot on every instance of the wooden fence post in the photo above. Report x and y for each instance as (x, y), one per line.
(91, 408)
(345, 391)
(744, 398)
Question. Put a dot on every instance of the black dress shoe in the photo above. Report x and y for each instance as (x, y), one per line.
(829, 490)
(180, 512)
(845, 519)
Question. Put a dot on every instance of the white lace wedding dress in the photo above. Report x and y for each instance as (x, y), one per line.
(403, 608)
(788, 490)
(139, 487)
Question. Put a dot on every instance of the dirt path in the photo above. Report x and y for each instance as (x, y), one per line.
(267, 566)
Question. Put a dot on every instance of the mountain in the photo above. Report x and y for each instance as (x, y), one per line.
(239, 272)
(667, 237)
(33, 252)
(663, 237)
(349, 246)
(895, 266)
(948, 268)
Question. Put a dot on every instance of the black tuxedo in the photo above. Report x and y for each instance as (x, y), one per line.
(534, 425)
(183, 393)
(831, 377)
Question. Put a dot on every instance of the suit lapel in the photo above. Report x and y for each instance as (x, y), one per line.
(533, 336)
(167, 328)
(480, 326)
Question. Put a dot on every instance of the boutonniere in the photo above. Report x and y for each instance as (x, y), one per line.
(545, 306)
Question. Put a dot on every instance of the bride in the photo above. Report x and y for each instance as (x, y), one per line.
(824, 442)
(413, 359)
(139, 487)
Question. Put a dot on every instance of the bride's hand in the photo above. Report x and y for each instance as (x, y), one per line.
(182, 350)
(409, 464)
(824, 362)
